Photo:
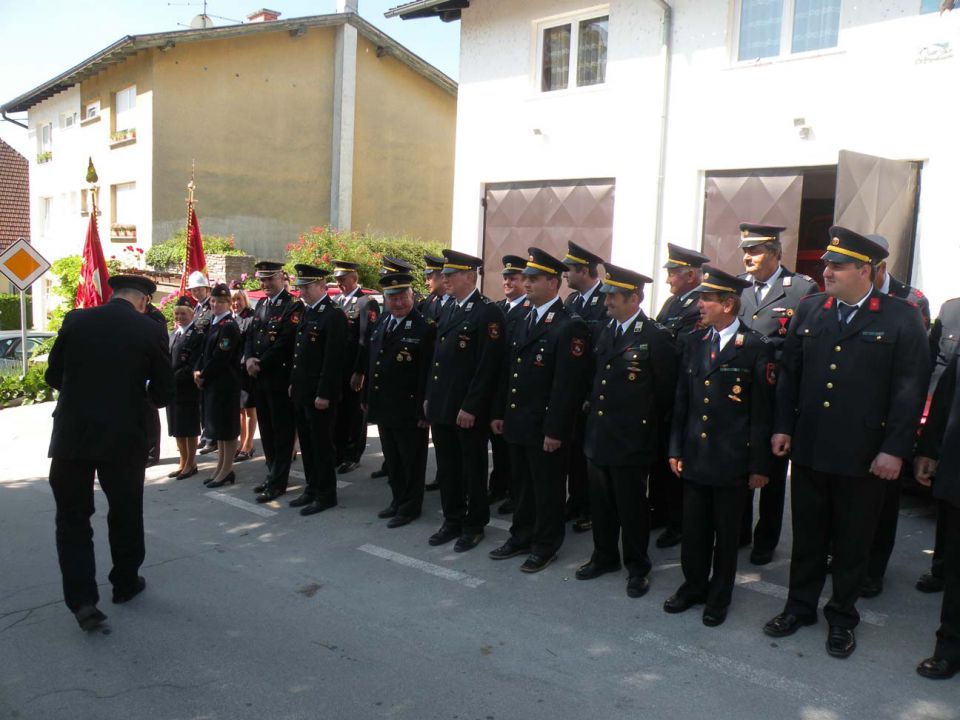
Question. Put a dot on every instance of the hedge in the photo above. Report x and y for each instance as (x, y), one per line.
(169, 255)
(25, 390)
(10, 311)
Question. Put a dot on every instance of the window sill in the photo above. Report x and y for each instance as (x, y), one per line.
(569, 92)
(795, 57)
(114, 144)
(123, 239)
(90, 120)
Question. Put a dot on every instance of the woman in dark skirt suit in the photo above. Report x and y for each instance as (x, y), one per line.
(243, 314)
(217, 374)
(183, 414)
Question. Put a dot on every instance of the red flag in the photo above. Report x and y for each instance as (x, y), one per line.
(196, 260)
(93, 289)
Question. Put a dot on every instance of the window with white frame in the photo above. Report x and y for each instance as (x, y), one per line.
(92, 110)
(125, 204)
(573, 52)
(929, 6)
(773, 28)
(46, 214)
(124, 108)
(68, 120)
(45, 136)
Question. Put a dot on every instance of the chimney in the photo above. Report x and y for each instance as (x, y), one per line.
(264, 15)
(347, 6)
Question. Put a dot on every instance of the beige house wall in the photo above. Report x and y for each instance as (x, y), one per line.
(404, 150)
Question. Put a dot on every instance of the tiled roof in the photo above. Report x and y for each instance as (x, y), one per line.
(14, 196)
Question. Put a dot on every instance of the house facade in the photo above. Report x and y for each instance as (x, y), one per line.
(633, 123)
(291, 124)
(14, 202)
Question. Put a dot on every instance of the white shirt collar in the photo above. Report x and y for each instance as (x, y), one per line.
(586, 295)
(633, 317)
(728, 332)
(858, 305)
(273, 298)
(314, 306)
(221, 316)
(516, 301)
(772, 279)
(467, 299)
(541, 310)
(687, 294)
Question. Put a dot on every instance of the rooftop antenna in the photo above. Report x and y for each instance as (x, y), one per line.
(203, 20)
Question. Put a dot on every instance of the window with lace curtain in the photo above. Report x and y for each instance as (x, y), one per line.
(573, 48)
(773, 28)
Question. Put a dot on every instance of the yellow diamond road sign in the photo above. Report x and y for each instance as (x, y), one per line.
(22, 264)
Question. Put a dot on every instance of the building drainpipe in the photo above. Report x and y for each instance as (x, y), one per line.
(15, 122)
(664, 116)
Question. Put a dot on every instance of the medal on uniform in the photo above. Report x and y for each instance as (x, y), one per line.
(549, 317)
(737, 389)
(632, 376)
(408, 325)
(593, 300)
(469, 307)
(462, 344)
(739, 340)
(538, 359)
(735, 398)
(399, 357)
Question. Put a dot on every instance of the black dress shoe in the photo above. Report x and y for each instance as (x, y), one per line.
(669, 538)
(89, 617)
(929, 583)
(301, 500)
(761, 557)
(431, 486)
(270, 494)
(870, 588)
(786, 624)
(582, 524)
(678, 603)
(713, 616)
(208, 480)
(468, 542)
(347, 467)
(536, 563)
(938, 669)
(507, 507)
(241, 456)
(189, 473)
(593, 569)
(381, 473)
(261, 487)
(174, 473)
(317, 506)
(401, 520)
(444, 535)
(841, 642)
(496, 497)
(230, 479)
(151, 461)
(508, 550)
(637, 586)
(387, 512)
(122, 596)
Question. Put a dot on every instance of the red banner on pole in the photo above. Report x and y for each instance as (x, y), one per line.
(196, 260)
(93, 289)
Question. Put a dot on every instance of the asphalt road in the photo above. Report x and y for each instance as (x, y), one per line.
(255, 612)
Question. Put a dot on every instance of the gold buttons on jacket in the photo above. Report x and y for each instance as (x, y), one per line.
(512, 406)
(703, 436)
(833, 366)
(706, 417)
(602, 397)
(706, 401)
(836, 348)
(706, 383)
(603, 382)
(600, 413)
(826, 403)
(829, 386)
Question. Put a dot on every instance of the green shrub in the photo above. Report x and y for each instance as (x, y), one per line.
(27, 390)
(10, 311)
(170, 254)
(322, 245)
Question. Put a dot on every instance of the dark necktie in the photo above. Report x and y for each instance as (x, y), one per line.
(845, 312)
(531, 322)
(392, 325)
(714, 347)
(580, 305)
(619, 333)
(758, 290)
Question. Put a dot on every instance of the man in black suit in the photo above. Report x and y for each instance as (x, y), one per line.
(680, 314)
(432, 307)
(198, 287)
(633, 386)
(853, 379)
(104, 362)
(515, 307)
(586, 300)
(401, 350)
(539, 398)
(938, 453)
(268, 355)
(719, 441)
(467, 359)
(315, 385)
(767, 305)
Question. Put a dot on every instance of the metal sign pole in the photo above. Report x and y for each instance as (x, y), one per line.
(23, 329)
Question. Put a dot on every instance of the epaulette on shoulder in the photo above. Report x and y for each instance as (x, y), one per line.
(806, 277)
(430, 321)
(485, 300)
(658, 326)
(917, 292)
(764, 339)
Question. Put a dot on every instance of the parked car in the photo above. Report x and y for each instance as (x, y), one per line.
(11, 351)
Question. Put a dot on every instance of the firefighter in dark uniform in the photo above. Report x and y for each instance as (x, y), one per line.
(586, 300)
(886, 535)
(183, 413)
(719, 441)
(315, 384)
(633, 387)
(467, 360)
(362, 312)
(515, 307)
(539, 399)
(852, 384)
(938, 453)
(198, 287)
(680, 314)
(401, 351)
(767, 306)
(432, 307)
(151, 414)
(268, 356)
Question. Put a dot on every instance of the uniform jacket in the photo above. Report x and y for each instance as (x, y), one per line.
(185, 350)
(544, 378)
(319, 354)
(513, 316)
(678, 316)
(397, 378)
(723, 410)
(467, 359)
(271, 335)
(912, 296)
(773, 316)
(101, 362)
(594, 313)
(632, 394)
(944, 336)
(202, 315)
(362, 312)
(219, 359)
(940, 438)
(847, 393)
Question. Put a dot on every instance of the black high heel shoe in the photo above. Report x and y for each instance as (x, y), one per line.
(188, 473)
(231, 479)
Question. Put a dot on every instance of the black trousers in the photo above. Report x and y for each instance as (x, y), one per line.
(938, 560)
(666, 496)
(831, 514)
(948, 636)
(618, 500)
(72, 485)
(711, 531)
(462, 469)
(315, 430)
(766, 535)
(501, 479)
(351, 427)
(151, 418)
(578, 478)
(885, 536)
(538, 520)
(405, 453)
(275, 417)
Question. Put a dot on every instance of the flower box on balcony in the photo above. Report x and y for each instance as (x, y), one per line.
(123, 137)
(44, 157)
(122, 232)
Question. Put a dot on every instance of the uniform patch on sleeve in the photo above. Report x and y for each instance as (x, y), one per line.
(577, 347)
(224, 343)
(372, 315)
(493, 330)
(295, 318)
(771, 373)
(875, 304)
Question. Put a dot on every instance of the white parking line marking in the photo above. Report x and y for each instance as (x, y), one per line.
(242, 504)
(750, 582)
(422, 565)
(341, 484)
(808, 694)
